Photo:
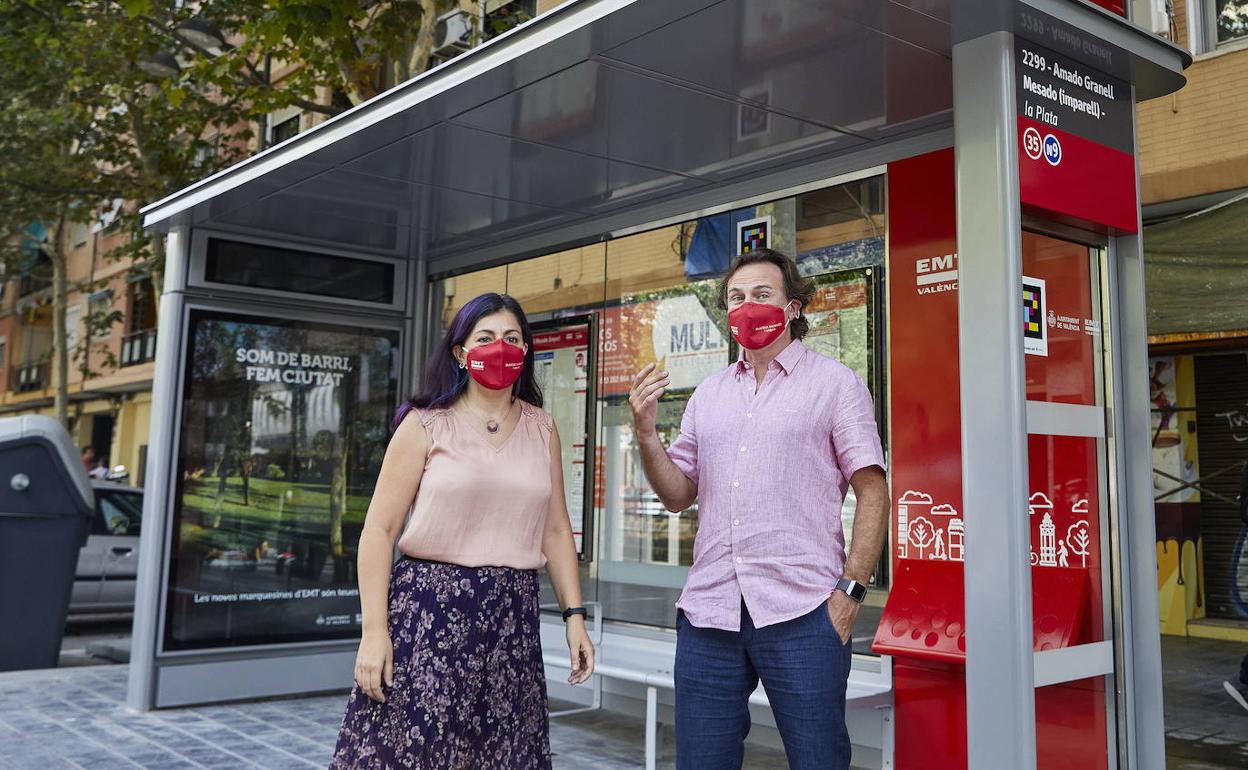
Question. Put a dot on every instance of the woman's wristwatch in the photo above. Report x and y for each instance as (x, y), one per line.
(569, 612)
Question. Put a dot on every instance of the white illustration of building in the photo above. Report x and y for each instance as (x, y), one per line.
(1048, 542)
(957, 536)
(920, 502)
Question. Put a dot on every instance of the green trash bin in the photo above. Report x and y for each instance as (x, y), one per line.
(46, 506)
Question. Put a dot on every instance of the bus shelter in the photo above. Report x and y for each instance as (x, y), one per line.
(959, 177)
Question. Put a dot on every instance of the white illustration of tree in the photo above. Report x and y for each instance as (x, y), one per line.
(922, 533)
(1078, 539)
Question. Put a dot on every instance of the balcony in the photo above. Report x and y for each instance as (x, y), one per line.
(30, 284)
(30, 377)
(138, 347)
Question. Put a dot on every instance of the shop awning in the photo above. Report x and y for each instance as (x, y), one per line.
(591, 117)
(1202, 255)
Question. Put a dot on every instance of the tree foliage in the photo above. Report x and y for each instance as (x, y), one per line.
(85, 122)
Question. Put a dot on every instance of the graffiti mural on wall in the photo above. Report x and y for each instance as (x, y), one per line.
(1180, 578)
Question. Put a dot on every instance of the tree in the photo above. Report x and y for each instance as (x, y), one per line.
(49, 179)
(89, 118)
(1078, 539)
(921, 534)
(356, 49)
(83, 125)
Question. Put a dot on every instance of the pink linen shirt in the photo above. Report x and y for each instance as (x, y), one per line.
(772, 467)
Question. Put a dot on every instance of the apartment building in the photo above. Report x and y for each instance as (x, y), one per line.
(111, 327)
(1193, 154)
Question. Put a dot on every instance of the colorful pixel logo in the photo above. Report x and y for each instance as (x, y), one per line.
(1031, 311)
(1035, 329)
(753, 234)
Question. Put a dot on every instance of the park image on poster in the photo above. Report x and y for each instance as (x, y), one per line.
(284, 426)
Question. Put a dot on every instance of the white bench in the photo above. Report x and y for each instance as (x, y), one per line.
(864, 690)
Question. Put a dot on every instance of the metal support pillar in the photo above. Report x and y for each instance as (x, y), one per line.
(1139, 669)
(1000, 696)
(162, 453)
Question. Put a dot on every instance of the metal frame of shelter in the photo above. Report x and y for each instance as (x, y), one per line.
(428, 228)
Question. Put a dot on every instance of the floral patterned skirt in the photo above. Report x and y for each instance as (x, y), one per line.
(469, 687)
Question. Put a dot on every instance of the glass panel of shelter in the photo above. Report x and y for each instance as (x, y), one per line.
(1070, 511)
(654, 296)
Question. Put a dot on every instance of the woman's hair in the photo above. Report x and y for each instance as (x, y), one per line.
(445, 380)
(796, 287)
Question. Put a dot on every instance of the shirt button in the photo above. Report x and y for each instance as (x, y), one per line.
(736, 483)
(749, 414)
(738, 560)
(742, 448)
(736, 522)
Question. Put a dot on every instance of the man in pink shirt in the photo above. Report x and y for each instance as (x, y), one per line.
(768, 448)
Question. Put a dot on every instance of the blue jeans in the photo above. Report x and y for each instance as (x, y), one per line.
(803, 665)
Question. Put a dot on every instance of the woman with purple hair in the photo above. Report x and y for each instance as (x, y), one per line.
(449, 673)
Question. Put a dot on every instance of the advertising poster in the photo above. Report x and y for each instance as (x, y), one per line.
(561, 353)
(680, 329)
(284, 426)
(840, 322)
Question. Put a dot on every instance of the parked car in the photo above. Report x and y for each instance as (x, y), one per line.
(108, 564)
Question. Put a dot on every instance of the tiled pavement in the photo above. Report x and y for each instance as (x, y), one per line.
(1205, 729)
(75, 718)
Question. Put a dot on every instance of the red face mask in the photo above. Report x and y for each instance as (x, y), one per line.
(755, 325)
(497, 365)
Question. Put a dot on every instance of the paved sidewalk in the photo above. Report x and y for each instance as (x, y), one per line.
(1205, 729)
(75, 718)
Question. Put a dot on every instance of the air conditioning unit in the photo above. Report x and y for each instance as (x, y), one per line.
(453, 33)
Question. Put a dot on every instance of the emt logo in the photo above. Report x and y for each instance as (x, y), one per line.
(937, 274)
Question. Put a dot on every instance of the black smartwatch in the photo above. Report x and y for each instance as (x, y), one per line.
(569, 612)
(852, 588)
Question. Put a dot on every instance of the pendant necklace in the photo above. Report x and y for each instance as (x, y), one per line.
(491, 426)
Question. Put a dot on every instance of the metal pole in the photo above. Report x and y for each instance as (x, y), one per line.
(162, 458)
(1140, 673)
(1000, 693)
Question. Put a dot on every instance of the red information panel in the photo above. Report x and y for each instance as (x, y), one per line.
(558, 339)
(923, 623)
(1087, 182)
(925, 430)
(1075, 141)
